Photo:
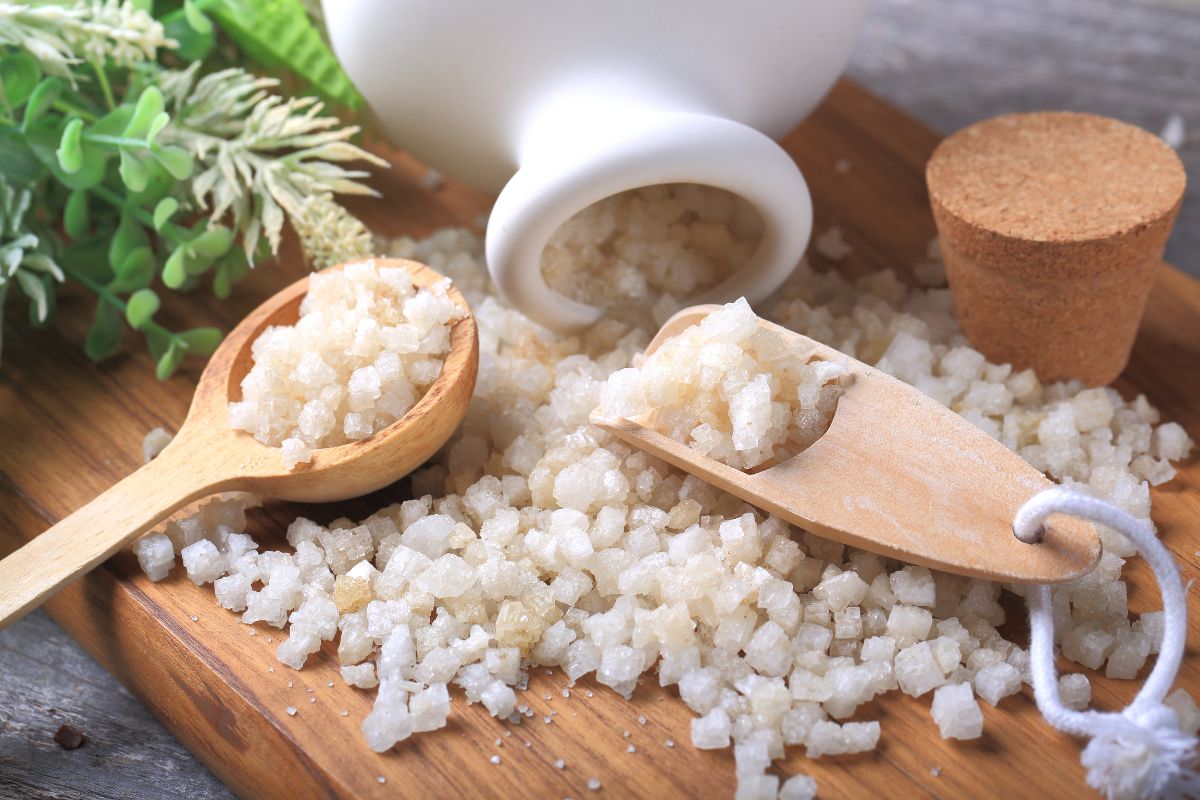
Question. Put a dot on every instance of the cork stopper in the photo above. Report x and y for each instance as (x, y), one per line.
(1053, 225)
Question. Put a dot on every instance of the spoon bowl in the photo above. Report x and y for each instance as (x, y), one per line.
(343, 471)
(208, 456)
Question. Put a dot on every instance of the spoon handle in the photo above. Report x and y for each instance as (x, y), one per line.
(117, 517)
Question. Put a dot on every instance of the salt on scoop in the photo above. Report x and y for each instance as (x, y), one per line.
(726, 391)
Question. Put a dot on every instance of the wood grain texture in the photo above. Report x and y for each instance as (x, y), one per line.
(866, 481)
(72, 428)
(948, 62)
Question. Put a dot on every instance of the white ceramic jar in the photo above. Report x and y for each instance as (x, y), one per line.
(560, 103)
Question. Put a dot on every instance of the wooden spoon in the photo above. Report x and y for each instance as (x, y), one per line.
(208, 456)
(897, 473)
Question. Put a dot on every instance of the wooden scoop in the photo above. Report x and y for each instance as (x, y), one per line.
(208, 456)
(897, 473)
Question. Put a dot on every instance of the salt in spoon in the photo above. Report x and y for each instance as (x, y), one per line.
(208, 456)
(896, 473)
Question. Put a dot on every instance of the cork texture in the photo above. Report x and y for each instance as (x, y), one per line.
(1052, 226)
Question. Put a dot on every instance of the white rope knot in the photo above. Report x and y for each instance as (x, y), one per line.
(1140, 753)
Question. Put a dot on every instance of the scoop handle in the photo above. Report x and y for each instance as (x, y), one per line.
(78, 543)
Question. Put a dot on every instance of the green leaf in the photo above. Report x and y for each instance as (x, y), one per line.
(195, 18)
(35, 290)
(75, 215)
(213, 243)
(157, 340)
(157, 125)
(175, 160)
(114, 122)
(149, 106)
(195, 264)
(19, 75)
(201, 341)
(70, 147)
(104, 337)
(163, 212)
(280, 34)
(43, 96)
(169, 362)
(231, 268)
(135, 271)
(141, 307)
(174, 273)
(17, 160)
(193, 45)
(133, 171)
(89, 258)
(128, 237)
(159, 184)
(43, 139)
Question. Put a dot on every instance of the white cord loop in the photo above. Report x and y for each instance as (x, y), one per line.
(1139, 753)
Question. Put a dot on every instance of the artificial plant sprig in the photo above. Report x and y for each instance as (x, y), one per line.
(24, 260)
(140, 181)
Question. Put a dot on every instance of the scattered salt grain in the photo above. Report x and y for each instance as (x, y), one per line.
(381, 779)
(155, 442)
(798, 787)
(832, 244)
(156, 555)
(663, 545)
(630, 749)
(494, 759)
(956, 712)
(560, 764)
(291, 710)
(593, 784)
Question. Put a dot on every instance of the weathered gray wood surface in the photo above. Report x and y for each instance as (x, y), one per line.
(952, 62)
(949, 62)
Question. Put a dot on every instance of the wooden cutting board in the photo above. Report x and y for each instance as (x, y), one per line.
(69, 429)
